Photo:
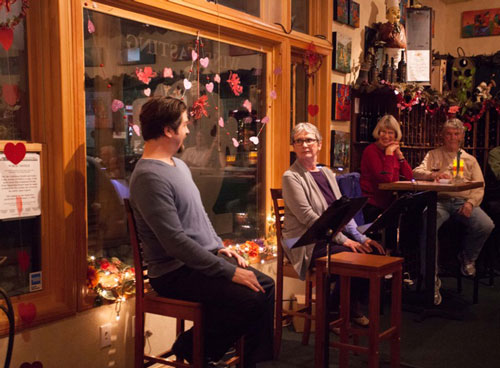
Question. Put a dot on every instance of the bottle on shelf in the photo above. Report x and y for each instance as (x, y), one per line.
(393, 71)
(386, 71)
(402, 68)
(362, 125)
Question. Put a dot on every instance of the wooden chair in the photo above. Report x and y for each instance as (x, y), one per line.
(284, 268)
(9, 312)
(148, 301)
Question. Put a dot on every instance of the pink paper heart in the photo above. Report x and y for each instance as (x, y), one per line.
(15, 153)
(217, 78)
(116, 105)
(277, 70)
(313, 110)
(247, 105)
(10, 93)
(265, 120)
(6, 37)
(209, 87)
(204, 62)
(221, 122)
(254, 140)
(187, 84)
(147, 92)
(167, 73)
(136, 129)
(19, 204)
(235, 142)
(194, 55)
(27, 312)
(273, 94)
(90, 27)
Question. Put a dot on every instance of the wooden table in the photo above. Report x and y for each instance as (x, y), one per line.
(433, 188)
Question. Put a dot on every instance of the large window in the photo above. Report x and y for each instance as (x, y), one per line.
(223, 85)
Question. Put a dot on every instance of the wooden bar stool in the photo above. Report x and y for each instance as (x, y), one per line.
(373, 268)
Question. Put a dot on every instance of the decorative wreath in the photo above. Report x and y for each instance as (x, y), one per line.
(14, 21)
(312, 60)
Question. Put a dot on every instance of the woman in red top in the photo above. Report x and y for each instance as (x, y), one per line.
(382, 162)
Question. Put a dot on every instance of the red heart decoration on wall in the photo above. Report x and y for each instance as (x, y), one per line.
(15, 152)
(27, 312)
(313, 110)
(6, 37)
(23, 259)
(36, 364)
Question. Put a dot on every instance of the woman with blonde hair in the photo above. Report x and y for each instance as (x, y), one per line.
(382, 162)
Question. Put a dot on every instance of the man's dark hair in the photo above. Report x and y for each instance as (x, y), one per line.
(160, 112)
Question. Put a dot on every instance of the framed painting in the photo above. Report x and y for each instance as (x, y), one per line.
(341, 11)
(480, 23)
(354, 14)
(341, 102)
(342, 48)
(339, 152)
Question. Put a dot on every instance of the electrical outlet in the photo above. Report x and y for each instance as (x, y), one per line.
(105, 332)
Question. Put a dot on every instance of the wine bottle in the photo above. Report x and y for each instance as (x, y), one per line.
(393, 71)
(402, 68)
(386, 71)
(362, 125)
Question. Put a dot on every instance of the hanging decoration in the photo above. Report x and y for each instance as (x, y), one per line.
(234, 83)
(27, 312)
(199, 107)
(312, 60)
(7, 27)
(15, 153)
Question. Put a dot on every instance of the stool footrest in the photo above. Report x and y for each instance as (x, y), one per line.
(356, 348)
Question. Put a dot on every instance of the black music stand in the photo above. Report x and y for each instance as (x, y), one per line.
(329, 224)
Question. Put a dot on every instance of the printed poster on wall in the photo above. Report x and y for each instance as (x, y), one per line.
(20, 187)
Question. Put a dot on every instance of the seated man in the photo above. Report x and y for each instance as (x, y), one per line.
(184, 255)
(462, 206)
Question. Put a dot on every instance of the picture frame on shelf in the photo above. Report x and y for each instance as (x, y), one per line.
(341, 11)
(342, 49)
(341, 102)
(354, 13)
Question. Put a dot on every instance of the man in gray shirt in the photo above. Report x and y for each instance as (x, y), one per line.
(184, 255)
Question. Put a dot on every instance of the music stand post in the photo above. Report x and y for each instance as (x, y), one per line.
(329, 224)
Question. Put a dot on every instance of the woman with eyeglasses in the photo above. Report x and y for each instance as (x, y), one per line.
(382, 162)
(308, 190)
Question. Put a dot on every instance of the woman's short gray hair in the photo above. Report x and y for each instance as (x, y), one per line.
(308, 128)
(453, 123)
(387, 122)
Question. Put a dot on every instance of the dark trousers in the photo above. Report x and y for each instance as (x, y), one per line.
(230, 310)
(359, 286)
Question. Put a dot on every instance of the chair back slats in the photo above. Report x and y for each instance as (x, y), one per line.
(140, 269)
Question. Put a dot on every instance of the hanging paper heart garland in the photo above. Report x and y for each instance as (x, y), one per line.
(10, 94)
(7, 27)
(313, 110)
(15, 152)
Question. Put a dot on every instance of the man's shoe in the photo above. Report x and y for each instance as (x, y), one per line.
(361, 320)
(467, 267)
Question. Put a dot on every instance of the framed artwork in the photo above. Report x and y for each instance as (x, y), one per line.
(480, 23)
(341, 11)
(339, 153)
(342, 47)
(341, 102)
(354, 14)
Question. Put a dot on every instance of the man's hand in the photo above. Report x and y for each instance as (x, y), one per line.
(436, 176)
(374, 244)
(357, 247)
(246, 278)
(466, 209)
(231, 253)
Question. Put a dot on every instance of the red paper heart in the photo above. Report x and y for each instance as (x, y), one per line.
(23, 259)
(15, 152)
(36, 364)
(10, 94)
(313, 110)
(27, 312)
(6, 38)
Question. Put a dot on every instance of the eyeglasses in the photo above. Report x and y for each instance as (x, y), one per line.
(307, 141)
